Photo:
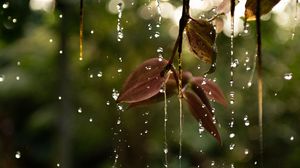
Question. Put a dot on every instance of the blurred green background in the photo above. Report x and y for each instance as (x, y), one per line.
(57, 111)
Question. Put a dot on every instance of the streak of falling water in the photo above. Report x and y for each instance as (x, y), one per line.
(295, 19)
(180, 130)
(119, 26)
(159, 13)
(165, 126)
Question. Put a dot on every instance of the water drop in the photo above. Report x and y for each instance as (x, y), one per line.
(107, 103)
(5, 5)
(212, 163)
(157, 34)
(165, 150)
(60, 16)
(246, 151)
(99, 75)
(92, 31)
(231, 146)
(91, 120)
(115, 94)
(79, 110)
(119, 26)
(91, 76)
(60, 51)
(17, 77)
(18, 155)
(2, 78)
(120, 70)
(288, 76)
(160, 50)
(249, 84)
(232, 135)
(291, 138)
(119, 122)
(50, 40)
(57, 165)
(59, 97)
(14, 20)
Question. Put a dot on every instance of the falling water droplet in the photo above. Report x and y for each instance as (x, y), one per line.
(288, 76)
(91, 120)
(18, 155)
(50, 40)
(212, 163)
(119, 122)
(115, 94)
(57, 165)
(2, 78)
(92, 31)
(232, 135)
(60, 16)
(59, 97)
(246, 151)
(79, 110)
(99, 75)
(119, 70)
(231, 146)
(107, 103)
(247, 122)
(60, 51)
(5, 5)
(291, 138)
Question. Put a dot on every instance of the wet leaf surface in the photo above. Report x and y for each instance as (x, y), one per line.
(201, 113)
(144, 82)
(210, 88)
(265, 7)
(201, 36)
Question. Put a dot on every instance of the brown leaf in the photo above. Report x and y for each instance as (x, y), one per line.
(202, 95)
(201, 113)
(210, 88)
(201, 35)
(219, 24)
(144, 82)
(265, 7)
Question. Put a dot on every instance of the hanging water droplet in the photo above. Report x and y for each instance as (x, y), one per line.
(288, 76)
(231, 146)
(5, 5)
(79, 110)
(115, 94)
(18, 155)
(291, 138)
(232, 135)
(2, 78)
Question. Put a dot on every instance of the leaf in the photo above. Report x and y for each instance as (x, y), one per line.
(171, 87)
(201, 35)
(265, 7)
(202, 95)
(210, 88)
(144, 82)
(201, 113)
(219, 24)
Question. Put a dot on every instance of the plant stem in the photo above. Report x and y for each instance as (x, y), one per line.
(81, 31)
(260, 80)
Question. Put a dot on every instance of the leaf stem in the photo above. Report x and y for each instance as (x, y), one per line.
(260, 79)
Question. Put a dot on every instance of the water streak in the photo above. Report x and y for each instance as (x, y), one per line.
(81, 31)
(165, 126)
(119, 26)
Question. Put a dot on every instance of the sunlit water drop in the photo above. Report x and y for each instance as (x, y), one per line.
(246, 152)
(99, 74)
(59, 97)
(57, 165)
(18, 155)
(232, 135)
(91, 120)
(291, 138)
(231, 146)
(79, 110)
(288, 76)
(246, 121)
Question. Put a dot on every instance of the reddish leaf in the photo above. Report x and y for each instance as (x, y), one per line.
(202, 95)
(144, 82)
(171, 86)
(201, 113)
(219, 24)
(210, 88)
(201, 35)
(265, 7)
